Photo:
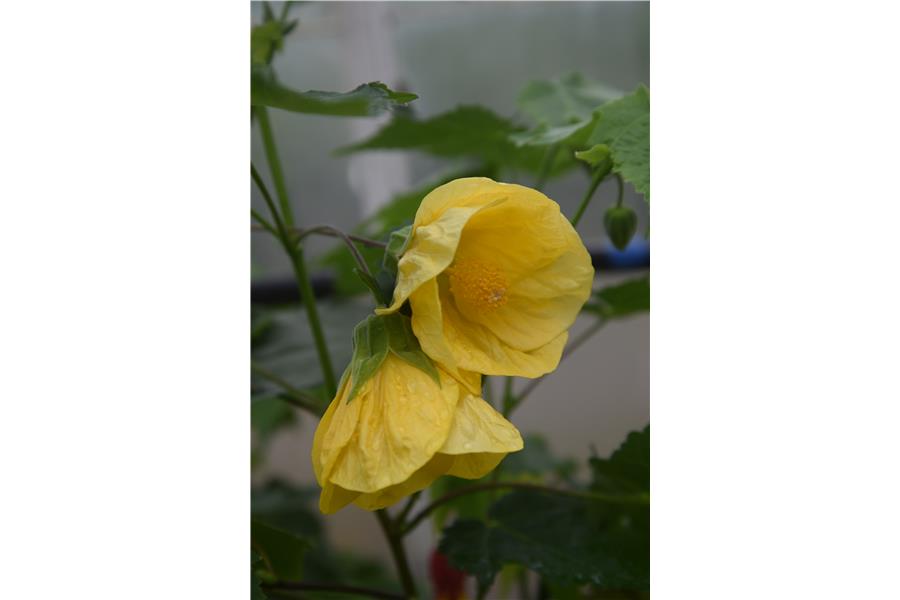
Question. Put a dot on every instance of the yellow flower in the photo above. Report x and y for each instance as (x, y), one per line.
(495, 276)
(400, 431)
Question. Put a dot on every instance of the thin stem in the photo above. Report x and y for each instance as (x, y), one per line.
(621, 183)
(265, 128)
(306, 294)
(263, 224)
(395, 542)
(312, 314)
(319, 229)
(333, 231)
(546, 166)
(595, 181)
(330, 587)
(401, 517)
(641, 498)
(295, 397)
(572, 347)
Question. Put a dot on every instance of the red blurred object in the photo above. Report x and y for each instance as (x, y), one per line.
(448, 582)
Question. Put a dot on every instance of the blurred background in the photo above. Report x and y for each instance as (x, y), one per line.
(449, 54)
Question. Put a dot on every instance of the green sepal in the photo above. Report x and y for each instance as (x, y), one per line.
(396, 246)
(620, 223)
(374, 338)
(594, 155)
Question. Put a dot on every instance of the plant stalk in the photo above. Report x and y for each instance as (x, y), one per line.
(395, 542)
(265, 128)
(595, 181)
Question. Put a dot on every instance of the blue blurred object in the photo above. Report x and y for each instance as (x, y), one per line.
(634, 256)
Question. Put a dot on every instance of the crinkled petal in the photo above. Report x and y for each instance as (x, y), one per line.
(479, 439)
(419, 480)
(335, 430)
(404, 418)
(464, 192)
(475, 466)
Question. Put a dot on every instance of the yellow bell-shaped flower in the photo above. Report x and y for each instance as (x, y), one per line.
(404, 426)
(495, 276)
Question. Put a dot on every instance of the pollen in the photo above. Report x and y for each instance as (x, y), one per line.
(479, 284)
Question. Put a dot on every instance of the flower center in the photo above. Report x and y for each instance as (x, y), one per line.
(478, 284)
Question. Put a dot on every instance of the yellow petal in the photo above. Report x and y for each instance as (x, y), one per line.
(333, 498)
(475, 347)
(335, 429)
(403, 419)
(420, 480)
(477, 427)
(479, 439)
(463, 192)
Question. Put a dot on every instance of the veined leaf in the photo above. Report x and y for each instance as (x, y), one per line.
(566, 539)
(366, 100)
(624, 126)
(569, 99)
(467, 131)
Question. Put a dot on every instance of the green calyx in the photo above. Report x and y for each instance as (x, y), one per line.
(376, 337)
(620, 223)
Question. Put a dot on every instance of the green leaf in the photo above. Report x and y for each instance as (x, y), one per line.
(366, 100)
(622, 300)
(566, 539)
(281, 551)
(256, 564)
(288, 508)
(268, 415)
(564, 101)
(466, 131)
(624, 126)
(628, 469)
(545, 135)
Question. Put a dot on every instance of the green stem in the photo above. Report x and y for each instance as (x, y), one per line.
(312, 314)
(639, 498)
(395, 542)
(265, 127)
(295, 253)
(294, 396)
(621, 183)
(595, 181)
(509, 399)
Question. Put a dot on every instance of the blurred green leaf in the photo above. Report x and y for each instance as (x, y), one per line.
(628, 469)
(288, 508)
(256, 563)
(281, 551)
(594, 155)
(466, 131)
(366, 100)
(566, 539)
(621, 300)
(569, 99)
(535, 460)
(624, 126)
(544, 135)
(268, 414)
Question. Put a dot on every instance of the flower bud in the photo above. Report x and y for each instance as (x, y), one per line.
(620, 223)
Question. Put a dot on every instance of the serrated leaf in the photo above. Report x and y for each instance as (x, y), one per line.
(366, 100)
(566, 100)
(624, 126)
(566, 539)
(466, 131)
(281, 551)
(622, 300)
(628, 469)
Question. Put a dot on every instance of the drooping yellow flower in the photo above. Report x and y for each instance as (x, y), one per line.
(495, 276)
(400, 432)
